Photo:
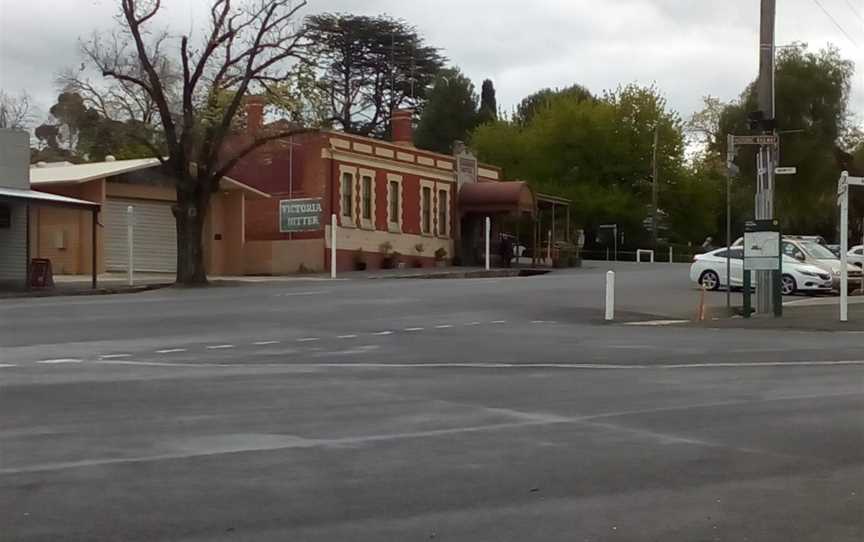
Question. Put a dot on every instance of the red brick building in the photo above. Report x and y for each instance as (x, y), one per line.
(388, 196)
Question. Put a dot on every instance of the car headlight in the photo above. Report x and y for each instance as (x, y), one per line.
(809, 273)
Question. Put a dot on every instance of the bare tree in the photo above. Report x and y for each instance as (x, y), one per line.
(16, 112)
(249, 46)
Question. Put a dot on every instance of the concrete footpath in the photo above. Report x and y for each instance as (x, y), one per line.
(818, 314)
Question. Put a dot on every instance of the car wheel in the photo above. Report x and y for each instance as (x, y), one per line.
(788, 286)
(709, 280)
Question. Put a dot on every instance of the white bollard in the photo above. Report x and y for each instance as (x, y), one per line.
(671, 258)
(333, 227)
(549, 248)
(130, 242)
(488, 240)
(610, 296)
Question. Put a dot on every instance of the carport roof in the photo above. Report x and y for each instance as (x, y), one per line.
(44, 197)
(81, 173)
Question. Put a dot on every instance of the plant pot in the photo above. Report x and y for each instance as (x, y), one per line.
(401, 265)
(440, 263)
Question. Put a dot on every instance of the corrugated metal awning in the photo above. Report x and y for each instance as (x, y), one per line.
(44, 197)
(497, 197)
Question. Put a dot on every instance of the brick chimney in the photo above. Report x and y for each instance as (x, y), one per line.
(254, 114)
(402, 127)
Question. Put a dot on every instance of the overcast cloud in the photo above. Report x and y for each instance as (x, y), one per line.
(689, 48)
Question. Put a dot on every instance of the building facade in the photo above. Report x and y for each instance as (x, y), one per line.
(388, 197)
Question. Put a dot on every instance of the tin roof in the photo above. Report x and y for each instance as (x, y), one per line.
(45, 197)
(81, 173)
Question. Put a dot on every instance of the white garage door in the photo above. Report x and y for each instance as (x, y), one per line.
(155, 248)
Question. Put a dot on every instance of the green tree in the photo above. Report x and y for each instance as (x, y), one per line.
(598, 153)
(812, 94)
(488, 103)
(450, 113)
(530, 105)
(370, 66)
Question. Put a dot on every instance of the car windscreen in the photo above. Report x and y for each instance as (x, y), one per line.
(818, 251)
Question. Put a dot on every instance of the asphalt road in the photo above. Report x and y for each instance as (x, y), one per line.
(499, 409)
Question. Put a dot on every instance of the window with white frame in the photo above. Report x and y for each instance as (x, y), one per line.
(346, 192)
(443, 215)
(366, 204)
(426, 210)
(394, 202)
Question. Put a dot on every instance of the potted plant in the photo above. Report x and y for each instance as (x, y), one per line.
(397, 259)
(441, 257)
(388, 261)
(419, 248)
(359, 260)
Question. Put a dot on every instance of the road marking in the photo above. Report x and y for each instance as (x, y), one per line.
(413, 329)
(220, 347)
(347, 336)
(171, 351)
(473, 324)
(6, 365)
(383, 333)
(499, 321)
(308, 340)
(658, 323)
(59, 361)
(444, 326)
(543, 322)
(265, 343)
(115, 356)
(301, 294)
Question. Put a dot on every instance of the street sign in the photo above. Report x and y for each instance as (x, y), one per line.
(755, 140)
(786, 170)
(762, 251)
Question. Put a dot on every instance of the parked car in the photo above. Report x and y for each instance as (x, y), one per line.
(709, 270)
(805, 250)
(856, 255)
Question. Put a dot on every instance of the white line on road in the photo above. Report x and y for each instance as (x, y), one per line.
(658, 323)
(499, 321)
(308, 340)
(220, 347)
(265, 343)
(171, 351)
(6, 365)
(383, 333)
(444, 326)
(59, 361)
(301, 294)
(351, 336)
(473, 324)
(115, 356)
(413, 329)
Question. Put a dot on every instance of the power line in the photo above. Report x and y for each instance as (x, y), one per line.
(833, 20)
(854, 10)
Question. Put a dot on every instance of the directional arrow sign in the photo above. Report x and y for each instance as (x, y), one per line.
(755, 140)
(786, 171)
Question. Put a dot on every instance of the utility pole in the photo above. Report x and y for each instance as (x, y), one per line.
(766, 158)
(655, 188)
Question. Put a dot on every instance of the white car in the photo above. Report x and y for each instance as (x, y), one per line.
(709, 270)
(856, 256)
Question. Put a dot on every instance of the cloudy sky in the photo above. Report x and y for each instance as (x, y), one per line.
(689, 48)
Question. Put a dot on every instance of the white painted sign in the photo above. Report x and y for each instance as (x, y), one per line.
(786, 171)
(762, 251)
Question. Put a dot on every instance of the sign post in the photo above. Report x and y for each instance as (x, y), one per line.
(333, 226)
(762, 252)
(130, 242)
(843, 201)
(488, 235)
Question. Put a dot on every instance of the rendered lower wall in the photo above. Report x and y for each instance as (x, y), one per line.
(283, 257)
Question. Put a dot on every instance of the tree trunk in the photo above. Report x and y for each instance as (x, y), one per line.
(190, 213)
